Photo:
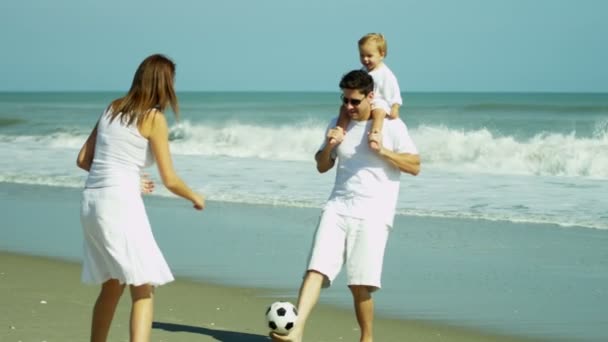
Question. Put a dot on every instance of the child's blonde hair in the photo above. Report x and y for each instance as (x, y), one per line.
(377, 38)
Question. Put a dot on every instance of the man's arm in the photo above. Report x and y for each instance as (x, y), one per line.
(406, 162)
(324, 158)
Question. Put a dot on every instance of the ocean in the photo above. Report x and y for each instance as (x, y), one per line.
(538, 158)
(509, 208)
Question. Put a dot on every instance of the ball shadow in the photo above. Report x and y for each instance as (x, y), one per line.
(220, 335)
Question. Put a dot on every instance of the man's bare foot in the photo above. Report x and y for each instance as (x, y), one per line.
(294, 336)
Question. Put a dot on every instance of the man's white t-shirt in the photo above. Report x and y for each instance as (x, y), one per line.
(367, 186)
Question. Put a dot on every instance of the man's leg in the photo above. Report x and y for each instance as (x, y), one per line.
(366, 243)
(326, 259)
(307, 299)
(364, 310)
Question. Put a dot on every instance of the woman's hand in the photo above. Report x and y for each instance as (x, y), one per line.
(146, 184)
(198, 202)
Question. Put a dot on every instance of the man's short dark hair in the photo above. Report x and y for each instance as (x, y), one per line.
(359, 80)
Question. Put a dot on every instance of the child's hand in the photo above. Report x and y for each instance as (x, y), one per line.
(335, 136)
(394, 114)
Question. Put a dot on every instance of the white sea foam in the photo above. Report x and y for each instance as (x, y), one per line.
(545, 154)
(55, 180)
(461, 199)
(442, 148)
(515, 158)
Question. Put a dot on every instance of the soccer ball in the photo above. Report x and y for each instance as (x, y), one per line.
(281, 317)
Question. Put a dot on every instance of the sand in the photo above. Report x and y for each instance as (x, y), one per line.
(43, 299)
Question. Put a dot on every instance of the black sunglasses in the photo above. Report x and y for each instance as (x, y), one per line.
(354, 102)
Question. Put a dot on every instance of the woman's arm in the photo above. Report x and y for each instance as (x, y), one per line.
(85, 156)
(157, 131)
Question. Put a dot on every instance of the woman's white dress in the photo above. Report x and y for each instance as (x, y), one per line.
(118, 239)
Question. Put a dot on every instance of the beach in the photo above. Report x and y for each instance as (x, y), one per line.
(244, 257)
(43, 298)
(503, 233)
(43, 301)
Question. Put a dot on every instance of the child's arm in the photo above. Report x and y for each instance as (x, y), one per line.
(378, 115)
(343, 119)
(394, 114)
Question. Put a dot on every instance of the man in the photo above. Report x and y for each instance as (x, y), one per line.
(358, 215)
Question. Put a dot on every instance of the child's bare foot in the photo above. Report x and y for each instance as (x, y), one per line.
(294, 336)
(373, 144)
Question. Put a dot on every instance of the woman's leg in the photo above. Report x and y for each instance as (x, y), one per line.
(103, 311)
(142, 312)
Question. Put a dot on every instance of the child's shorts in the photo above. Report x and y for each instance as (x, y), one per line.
(358, 243)
(381, 104)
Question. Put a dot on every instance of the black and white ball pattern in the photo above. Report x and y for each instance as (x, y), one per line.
(281, 317)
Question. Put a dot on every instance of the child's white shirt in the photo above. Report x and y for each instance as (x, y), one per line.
(386, 88)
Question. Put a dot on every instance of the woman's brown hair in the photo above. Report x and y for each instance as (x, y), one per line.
(152, 88)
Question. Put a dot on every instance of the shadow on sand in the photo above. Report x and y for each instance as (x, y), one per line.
(220, 335)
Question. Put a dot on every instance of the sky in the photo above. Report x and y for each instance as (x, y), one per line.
(286, 45)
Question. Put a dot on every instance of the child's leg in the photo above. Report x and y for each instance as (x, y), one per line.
(307, 299)
(364, 310)
(103, 311)
(394, 112)
(378, 116)
(343, 119)
(142, 312)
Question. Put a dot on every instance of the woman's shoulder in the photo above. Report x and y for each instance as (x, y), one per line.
(154, 114)
(150, 121)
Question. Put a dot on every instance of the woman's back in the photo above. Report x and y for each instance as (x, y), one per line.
(121, 152)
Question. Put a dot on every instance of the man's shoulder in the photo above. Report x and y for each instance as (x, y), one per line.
(395, 124)
(394, 128)
(333, 121)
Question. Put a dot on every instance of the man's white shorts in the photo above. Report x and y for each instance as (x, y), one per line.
(357, 243)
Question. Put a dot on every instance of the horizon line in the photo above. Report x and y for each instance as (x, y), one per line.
(322, 91)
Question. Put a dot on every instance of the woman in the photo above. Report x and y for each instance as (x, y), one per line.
(119, 248)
